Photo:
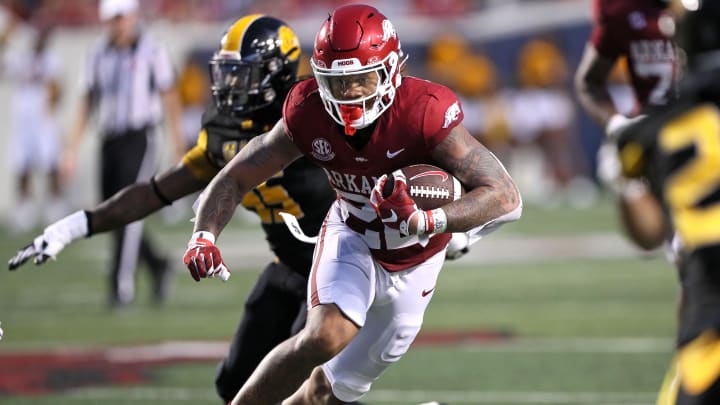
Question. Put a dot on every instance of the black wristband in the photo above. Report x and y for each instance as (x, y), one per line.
(159, 195)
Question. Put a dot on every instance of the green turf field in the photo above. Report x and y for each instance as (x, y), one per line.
(589, 321)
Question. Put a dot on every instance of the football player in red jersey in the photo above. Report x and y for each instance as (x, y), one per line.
(377, 259)
(640, 31)
(251, 74)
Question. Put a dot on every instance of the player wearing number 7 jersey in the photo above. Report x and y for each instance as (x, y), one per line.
(639, 31)
(251, 75)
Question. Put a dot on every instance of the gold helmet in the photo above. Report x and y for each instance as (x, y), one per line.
(256, 64)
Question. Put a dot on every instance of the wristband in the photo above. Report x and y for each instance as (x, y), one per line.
(203, 235)
(432, 221)
(439, 220)
(158, 193)
(68, 229)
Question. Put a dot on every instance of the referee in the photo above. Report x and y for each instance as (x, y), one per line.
(127, 77)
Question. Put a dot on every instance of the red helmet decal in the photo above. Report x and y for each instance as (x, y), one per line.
(357, 40)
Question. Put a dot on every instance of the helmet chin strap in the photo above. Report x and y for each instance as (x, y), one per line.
(350, 113)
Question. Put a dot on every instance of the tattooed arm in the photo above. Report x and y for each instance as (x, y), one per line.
(264, 156)
(492, 194)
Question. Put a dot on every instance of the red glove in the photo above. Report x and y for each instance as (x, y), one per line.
(203, 258)
(395, 210)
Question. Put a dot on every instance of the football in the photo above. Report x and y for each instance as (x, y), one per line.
(429, 186)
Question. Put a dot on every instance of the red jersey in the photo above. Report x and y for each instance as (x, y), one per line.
(420, 117)
(632, 29)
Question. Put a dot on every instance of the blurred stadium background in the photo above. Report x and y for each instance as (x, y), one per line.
(556, 309)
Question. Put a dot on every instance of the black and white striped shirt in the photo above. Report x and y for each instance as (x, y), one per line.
(125, 84)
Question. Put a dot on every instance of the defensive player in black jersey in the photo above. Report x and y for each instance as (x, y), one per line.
(251, 74)
(678, 149)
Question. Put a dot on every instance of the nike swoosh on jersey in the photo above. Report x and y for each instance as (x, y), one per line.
(426, 292)
(391, 155)
(392, 218)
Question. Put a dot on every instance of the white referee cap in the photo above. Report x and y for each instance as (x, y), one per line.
(110, 9)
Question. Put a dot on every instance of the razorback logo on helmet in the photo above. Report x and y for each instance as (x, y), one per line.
(360, 33)
(388, 30)
(451, 114)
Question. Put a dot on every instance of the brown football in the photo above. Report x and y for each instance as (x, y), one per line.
(429, 186)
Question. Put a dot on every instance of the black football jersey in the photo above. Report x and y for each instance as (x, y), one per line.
(678, 149)
(302, 189)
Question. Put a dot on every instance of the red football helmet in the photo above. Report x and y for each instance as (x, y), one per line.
(355, 41)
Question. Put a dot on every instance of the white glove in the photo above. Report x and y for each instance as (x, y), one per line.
(610, 174)
(609, 170)
(53, 240)
(617, 123)
(459, 245)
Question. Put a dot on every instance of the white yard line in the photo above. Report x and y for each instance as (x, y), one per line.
(212, 350)
(494, 397)
(627, 345)
(161, 394)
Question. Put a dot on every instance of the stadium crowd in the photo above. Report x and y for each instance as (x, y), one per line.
(522, 105)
